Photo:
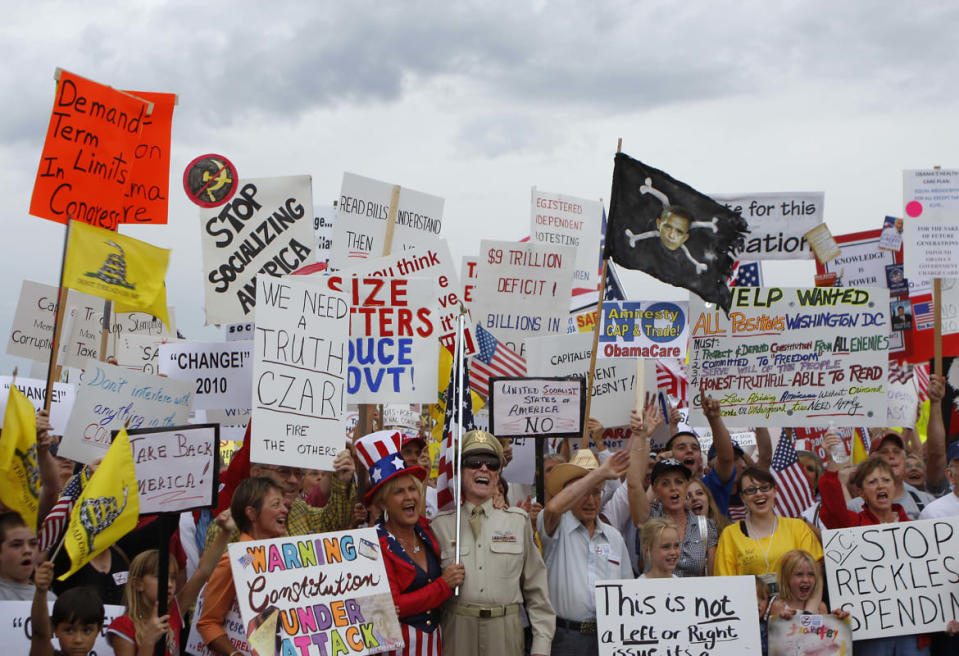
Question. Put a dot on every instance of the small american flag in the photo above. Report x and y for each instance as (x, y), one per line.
(898, 372)
(793, 493)
(921, 375)
(493, 359)
(922, 314)
(746, 274)
(446, 480)
(671, 379)
(59, 516)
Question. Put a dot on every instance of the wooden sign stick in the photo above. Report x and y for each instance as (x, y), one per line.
(52, 370)
(937, 323)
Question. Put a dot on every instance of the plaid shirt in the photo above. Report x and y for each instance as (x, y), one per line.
(304, 519)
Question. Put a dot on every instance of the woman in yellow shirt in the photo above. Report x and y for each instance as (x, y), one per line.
(756, 544)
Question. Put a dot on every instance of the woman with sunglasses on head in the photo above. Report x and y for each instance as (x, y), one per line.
(755, 544)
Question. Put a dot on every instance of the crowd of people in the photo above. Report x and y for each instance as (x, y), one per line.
(516, 576)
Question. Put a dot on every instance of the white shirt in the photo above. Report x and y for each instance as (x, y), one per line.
(575, 561)
(617, 513)
(947, 506)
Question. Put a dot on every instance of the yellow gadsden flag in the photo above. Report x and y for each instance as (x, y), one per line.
(118, 268)
(19, 473)
(107, 509)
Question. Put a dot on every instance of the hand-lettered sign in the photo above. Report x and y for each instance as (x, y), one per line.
(537, 407)
(176, 467)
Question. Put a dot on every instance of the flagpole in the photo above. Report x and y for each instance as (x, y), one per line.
(458, 467)
(57, 322)
(105, 329)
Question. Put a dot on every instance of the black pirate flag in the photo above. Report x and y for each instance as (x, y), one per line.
(671, 231)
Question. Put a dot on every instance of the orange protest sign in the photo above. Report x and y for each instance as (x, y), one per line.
(88, 155)
(150, 179)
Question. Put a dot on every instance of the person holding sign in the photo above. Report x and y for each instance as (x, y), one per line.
(800, 588)
(503, 566)
(411, 554)
(756, 544)
(579, 548)
(260, 514)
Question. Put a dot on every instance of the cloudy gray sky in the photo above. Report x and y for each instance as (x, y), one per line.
(478, 101)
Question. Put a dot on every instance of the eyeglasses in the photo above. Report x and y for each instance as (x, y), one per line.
(284, 472)
(750, 491)
(474, 462)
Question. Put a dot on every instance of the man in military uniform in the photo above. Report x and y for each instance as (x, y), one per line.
(503, 566)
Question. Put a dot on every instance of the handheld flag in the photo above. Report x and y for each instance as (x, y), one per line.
(19, 472)
(107, 509)
(671, 231)
(117, 268)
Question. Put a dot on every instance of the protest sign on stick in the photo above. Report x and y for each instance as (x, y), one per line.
(523, 290)
(299, 372)
(894, 579)
(221, 371)
(792, 356)
(537, 407)
(177, 468)
(644, 329)
(314, 578)
(108, 397)
(778, 222)
(931, 225)
(699, 615)
(265, 228)
(570, 221)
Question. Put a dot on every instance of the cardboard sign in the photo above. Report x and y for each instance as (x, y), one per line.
(335, 584)
(644, 329)
(299, 373)
(222, 372)
(809, 634)
(323, 230)
(176, 467)
(432, 260)
(89, 155)
(894, 579)
(108, 397)
(523, 290)
(614, 383)
(778, 222)
(821, 241)
(902, 399)
(265, 228)
(359, 231)
(15, 626)
(64, 396)
(31, 334)
(793, 357)
(569, 221)
(394, 353)
(705, 615)
(931, 239)
(537, 407)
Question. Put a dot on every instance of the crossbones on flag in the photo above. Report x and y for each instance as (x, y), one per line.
(671, 231)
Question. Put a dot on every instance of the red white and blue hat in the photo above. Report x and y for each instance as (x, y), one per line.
(380, 452)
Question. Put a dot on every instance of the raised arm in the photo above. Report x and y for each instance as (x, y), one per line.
(764, 448)
(639, 462)
(570, 495)
(725, 456)
(935, 434)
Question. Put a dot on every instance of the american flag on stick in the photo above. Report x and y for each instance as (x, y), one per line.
(446, 480)
(793, 493)
(51, 531)
(493, 359)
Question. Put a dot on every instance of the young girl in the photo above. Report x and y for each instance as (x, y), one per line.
(136, 632)
(76, 620)
(762, 603)
(800, 587)
(660, 542)
(700, 500)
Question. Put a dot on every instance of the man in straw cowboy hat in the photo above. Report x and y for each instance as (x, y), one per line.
(503, 566)
(579, 548)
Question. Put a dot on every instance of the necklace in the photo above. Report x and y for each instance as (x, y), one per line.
(771, 536)
(414, 549)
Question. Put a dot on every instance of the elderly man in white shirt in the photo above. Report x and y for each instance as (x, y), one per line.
(946, 505)
(579, 548)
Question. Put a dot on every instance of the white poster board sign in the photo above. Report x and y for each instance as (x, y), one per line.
(569, 221)
(431, 259)
(221, 372)
(35, 389)
(537, 407)
(778, 222)
(267, 227)
(323, 229)
(232, 624)
(108, 397)
(359, 231)
(931, 239)
(140, 352)
(31, 333)
(714, 615)
(16, 629)
(522, 468)
(644, 329)
(614, 383)
(792, 356)
(333, 575)
(176, 468)
(894, 579)
(469, 275)
(299, 373)
(523, 290)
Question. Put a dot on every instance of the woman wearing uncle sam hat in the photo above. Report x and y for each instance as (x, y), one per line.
(411, 553)
(503, 566)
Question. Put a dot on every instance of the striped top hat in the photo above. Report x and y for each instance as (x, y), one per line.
(380, 452)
